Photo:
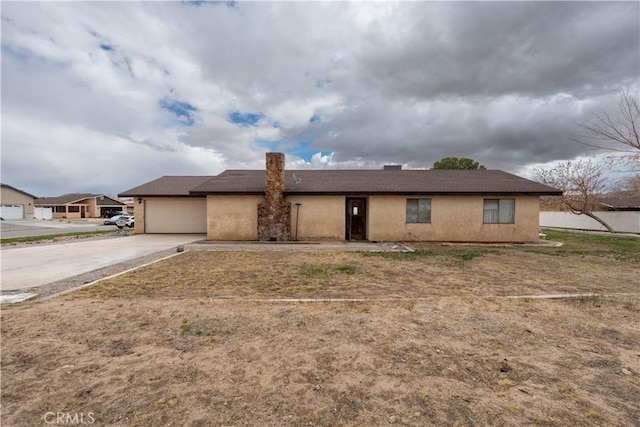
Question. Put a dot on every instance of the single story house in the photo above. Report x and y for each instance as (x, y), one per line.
(622, 202)
(15, 203)
(378, 205)
(80, 205)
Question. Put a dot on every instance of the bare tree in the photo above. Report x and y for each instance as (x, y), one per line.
(618, 132)
(582, 183)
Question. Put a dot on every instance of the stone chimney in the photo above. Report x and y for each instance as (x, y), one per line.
(274, 214)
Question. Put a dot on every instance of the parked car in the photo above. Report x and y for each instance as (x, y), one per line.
(109, 214)
(125, 222)
(115, 218)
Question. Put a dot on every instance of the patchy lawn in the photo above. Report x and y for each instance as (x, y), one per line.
(197, 341)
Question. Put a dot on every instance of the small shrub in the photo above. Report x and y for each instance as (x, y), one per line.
(346, 269)
(591, 413)
(186, 326)
(510, 406)
(314, 270)
(324, 270)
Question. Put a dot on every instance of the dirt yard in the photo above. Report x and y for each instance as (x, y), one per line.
(211, 338)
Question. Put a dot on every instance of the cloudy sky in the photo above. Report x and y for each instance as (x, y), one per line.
(103, 96)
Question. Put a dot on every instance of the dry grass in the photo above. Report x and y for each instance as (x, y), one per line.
(186, 343)
(434, 271)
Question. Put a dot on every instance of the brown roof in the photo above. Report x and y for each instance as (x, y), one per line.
(103, 200)
(76, 197)
(167, 186)
(64, 199)
(621, 202)
(376, 182)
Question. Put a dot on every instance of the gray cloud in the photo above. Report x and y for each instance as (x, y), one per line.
(372, 83)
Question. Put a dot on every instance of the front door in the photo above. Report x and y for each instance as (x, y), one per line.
(356, 227)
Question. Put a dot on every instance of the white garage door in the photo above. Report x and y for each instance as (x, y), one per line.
(176, 215)
(12, 211)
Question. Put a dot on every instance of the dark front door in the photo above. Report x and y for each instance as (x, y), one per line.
(356, 226)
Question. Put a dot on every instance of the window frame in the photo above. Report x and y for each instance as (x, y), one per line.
(418, 219)
(498, 214)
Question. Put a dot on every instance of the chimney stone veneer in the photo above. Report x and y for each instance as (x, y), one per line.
(274, 214)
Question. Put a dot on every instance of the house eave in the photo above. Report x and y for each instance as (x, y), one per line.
(372, 193)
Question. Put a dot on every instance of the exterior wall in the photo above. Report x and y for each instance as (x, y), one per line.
(65, 215)
(139, 215)
(622, 222)
(12, 197)
(232, 217)
(171, 215)
(320, 217)
(92, 210)
(453, 219)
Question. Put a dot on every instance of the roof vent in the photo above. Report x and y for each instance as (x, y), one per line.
(393, 167)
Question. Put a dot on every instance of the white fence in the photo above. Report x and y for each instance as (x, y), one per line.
(622, 222)
(42, 213)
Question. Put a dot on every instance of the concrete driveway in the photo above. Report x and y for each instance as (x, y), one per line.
(30, 266)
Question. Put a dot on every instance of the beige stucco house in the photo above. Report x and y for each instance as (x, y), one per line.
(80, 205)
(15, 203)
(376, 205)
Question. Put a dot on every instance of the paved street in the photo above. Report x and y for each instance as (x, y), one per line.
(25, 227)
(30, 266)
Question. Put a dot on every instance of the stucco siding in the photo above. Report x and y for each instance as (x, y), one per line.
(232, 217)
(172, 215)
(320, 217)
(453, 219)
(12, 197)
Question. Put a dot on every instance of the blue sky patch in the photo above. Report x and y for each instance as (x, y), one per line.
(182, 110)
(268, 145)
(304, 150)
(21, 55)
(245, 120)
(300, 149)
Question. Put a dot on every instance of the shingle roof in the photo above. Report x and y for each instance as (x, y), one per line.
(76, 197)
(621, 202)
(104, 200)
(167, 186)
(64, 199)
(376, 182)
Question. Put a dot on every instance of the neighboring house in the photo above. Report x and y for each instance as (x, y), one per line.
(621, 202)
(15, 203)
(128, 201)
(377, 205)
(80, 205)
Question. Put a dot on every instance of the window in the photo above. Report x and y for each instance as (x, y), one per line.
(75, 209)
(418, 210)
(60, 209)
(499, 211)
